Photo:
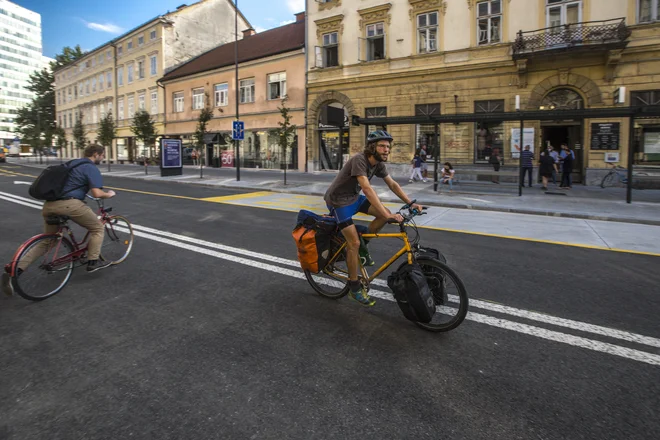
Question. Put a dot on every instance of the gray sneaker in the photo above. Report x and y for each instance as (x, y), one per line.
(7, 288)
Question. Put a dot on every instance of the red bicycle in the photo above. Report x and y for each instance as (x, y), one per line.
(49, 273)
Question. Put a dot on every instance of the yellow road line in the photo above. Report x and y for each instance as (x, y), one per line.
(539, 240)
(223, 199)
(152, 193)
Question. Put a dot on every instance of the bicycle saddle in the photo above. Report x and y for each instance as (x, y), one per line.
(57, 219)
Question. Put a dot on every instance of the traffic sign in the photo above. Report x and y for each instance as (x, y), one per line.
(238, 133)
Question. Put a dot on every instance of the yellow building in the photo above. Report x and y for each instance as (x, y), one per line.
(425, 57)
(121, 76)
(271, 66)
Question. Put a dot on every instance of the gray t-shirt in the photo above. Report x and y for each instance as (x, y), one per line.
(345, 189)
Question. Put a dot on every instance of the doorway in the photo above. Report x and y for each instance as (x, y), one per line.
(570, 133)
(332, 154)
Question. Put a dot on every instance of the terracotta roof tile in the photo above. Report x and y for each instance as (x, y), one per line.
(271, 42)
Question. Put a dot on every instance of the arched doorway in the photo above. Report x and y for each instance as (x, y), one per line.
(556, 133)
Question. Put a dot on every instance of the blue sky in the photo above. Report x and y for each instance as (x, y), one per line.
(91, 23)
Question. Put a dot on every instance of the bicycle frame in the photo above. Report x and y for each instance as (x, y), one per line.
(405, 249)
(79, 250)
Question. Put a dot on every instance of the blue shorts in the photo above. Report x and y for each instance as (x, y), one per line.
(346, 213)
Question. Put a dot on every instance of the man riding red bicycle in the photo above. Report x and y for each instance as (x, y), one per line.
(83, 177)
(344, 200)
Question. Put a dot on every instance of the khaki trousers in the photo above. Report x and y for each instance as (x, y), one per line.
(79, 213)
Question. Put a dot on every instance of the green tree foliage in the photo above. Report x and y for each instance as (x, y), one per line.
(144, 129)
(205, 115)
(79, 133)
(67, 56)
(285, 133)
(107, 130)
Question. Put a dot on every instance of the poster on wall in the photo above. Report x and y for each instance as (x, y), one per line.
(612, 157)
(528, 139)
(605, 136)
(651, 142)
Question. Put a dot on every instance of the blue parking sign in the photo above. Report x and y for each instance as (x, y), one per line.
(238, 133)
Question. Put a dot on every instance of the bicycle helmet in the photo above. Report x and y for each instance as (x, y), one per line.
(372, 141)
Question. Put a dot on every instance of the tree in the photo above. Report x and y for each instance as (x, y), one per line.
(67, 56)
(285, 133)
(205, 115)
(107, 132)
(79, 133)
(60, 140)
(144, 129)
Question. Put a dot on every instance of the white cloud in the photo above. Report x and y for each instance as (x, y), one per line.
(105, 27)
(296, 6)
(282, 23)
(259, 29)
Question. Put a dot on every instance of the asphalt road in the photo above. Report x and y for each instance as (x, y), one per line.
(191, 340)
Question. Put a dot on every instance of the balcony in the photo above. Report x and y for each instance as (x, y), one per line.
(587, 36)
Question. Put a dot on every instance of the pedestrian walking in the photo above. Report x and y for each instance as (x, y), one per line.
(555, 157)
(423, 155)
(194, 156)
(566, 167)
(417, 170)
(547, 167)
(495, 161)
(527, 158)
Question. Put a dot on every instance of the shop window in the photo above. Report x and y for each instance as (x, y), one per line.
(425, 133)
(375, 112)
(489, 136)
(489, 21)
(427, 32)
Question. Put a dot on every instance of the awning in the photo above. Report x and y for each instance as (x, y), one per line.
(211, 138)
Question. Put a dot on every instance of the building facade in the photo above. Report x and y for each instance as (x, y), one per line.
(271, 66)
(120, 77)
(425, 57)
(20, 56)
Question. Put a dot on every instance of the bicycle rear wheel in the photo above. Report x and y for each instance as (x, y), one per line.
(118, 240)
(49, 271)
(331, 282)
(608, 180)
(449, 293)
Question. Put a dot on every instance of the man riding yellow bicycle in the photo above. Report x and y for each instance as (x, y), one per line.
(344, 200)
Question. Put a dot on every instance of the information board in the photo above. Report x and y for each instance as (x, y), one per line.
(171, 153)
(605, 136)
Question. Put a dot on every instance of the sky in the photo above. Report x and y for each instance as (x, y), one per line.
(91, 23)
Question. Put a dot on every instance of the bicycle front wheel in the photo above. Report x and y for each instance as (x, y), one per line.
(118, 240)
(449, 293)
(608, 180)
(49, 271)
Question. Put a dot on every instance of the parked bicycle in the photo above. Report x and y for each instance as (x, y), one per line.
(618, 176)
(48, 274)
(449, 292)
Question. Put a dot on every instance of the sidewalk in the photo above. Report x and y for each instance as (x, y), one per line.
(582, 202)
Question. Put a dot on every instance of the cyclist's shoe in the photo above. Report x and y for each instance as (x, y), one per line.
(94, 265)
(365, 258)
(362, 297)
(7, 288)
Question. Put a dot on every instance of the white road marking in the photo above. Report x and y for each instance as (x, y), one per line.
(20, 182)
(577, 341)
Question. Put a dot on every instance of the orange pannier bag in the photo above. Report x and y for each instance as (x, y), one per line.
(313, 237)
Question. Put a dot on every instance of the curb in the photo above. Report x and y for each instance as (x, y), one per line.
(419, 200)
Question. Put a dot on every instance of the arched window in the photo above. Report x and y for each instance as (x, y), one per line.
(562, 99)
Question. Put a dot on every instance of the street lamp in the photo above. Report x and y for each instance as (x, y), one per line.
(237, 154)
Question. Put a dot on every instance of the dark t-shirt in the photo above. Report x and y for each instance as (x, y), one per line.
(567, 165)
(82, 178)
(547, 164)
(345, 189)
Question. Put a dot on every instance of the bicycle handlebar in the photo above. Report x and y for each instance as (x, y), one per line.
(407, 217)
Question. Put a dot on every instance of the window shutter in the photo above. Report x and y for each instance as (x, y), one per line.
(319, 56)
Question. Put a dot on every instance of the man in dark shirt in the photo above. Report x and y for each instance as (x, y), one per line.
(344, 200)
(527, 158)
(85, 177)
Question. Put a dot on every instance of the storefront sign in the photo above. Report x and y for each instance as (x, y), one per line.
(605, 136)
(517, 145)
(612, 157)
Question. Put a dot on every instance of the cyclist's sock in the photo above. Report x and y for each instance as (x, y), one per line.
(354, 286)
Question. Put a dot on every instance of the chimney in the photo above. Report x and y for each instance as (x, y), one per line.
(247, 32)
(300, 16)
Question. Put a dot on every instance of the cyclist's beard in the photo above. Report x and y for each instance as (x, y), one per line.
(378, 156)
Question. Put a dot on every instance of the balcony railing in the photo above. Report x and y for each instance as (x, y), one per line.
(608, 34)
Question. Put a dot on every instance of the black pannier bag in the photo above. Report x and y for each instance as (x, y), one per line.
(412, 293)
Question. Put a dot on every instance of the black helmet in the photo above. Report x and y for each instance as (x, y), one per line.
(379, 135)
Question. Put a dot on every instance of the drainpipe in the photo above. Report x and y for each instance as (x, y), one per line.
(306, 49)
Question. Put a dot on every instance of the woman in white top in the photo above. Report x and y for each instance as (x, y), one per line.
(448, 175)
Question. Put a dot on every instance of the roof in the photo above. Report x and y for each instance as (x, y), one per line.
(268, 43)
(146, 23)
